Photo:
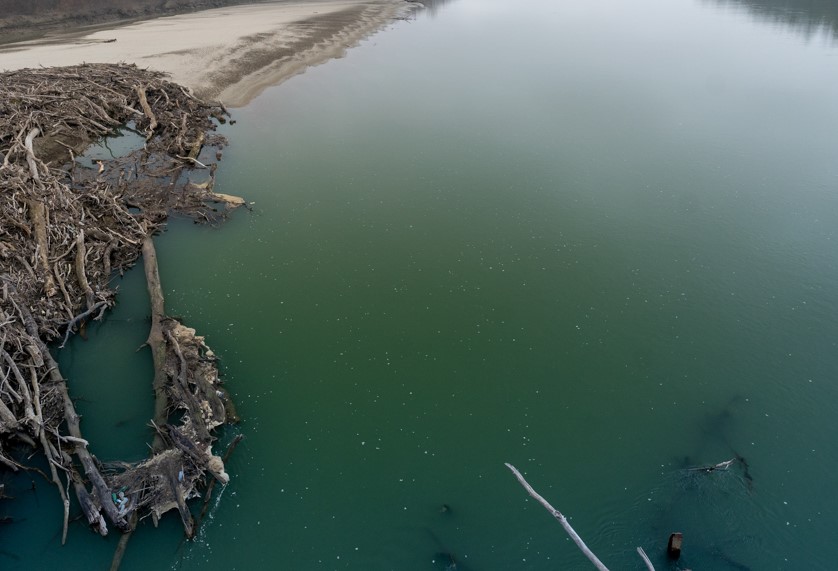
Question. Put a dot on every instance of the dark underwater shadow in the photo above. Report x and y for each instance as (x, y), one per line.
(805, 17)
(432, 7)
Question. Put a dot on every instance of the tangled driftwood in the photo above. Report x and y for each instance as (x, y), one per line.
(65, 229)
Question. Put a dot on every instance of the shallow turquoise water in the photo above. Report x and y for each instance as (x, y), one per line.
(591, 239)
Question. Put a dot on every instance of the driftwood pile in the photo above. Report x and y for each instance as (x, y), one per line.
(65, 229)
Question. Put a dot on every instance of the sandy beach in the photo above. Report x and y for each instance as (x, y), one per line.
(228, 54)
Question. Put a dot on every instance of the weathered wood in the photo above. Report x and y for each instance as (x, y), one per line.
(156, 341)
(65, 501)
(9, 463)
(25, 395)
(81, 273)
(211, 485)
(196, 147)
(566, 524)
(645, 559)
(673, 547)
(186, 397)
(47, 214)
(8, 421)
(30, 155)
(560, 518)
(38, 216)
(89, 508)
(193, 161)
(152, 118)
(181, 453)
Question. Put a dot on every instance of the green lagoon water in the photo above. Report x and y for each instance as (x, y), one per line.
(593, 239)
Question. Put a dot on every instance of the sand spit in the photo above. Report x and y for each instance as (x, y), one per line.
(229, 54)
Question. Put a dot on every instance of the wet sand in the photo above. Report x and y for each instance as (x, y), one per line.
(229, 54)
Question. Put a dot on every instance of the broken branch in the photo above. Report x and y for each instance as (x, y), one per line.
(560, 517)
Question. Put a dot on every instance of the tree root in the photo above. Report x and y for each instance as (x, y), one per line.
(84, 224)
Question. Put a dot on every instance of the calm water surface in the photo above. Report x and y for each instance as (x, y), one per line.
(594, 239)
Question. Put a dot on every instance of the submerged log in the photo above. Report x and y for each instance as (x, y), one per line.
(81, 272)
(228, 199)
(38, 217)
(152, 118)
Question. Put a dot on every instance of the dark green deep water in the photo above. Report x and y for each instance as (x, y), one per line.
(594, 239)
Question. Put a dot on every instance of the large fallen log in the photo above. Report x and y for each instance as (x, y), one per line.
(181, 455)
(155, 339)
(65, 228)
(101, 489)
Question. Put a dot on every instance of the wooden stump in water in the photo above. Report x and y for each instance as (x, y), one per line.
(673, 548)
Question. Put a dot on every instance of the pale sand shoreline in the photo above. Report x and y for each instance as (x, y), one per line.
(228, 54)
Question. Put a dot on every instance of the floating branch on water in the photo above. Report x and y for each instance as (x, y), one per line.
(645, 559)
(566, 524)
(560, 517)
(712, 468)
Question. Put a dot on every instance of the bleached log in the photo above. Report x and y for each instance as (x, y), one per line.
(38, 214)
(228, 199)
(81, 274)
(30, 154)
(152, 120)
(74, 440)
(645, 559)
(560, 517)
(47, 219)
(71, 418)
(155, 340)
(566, 524)
(196, 146)
(8, 421)
(98, 307)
